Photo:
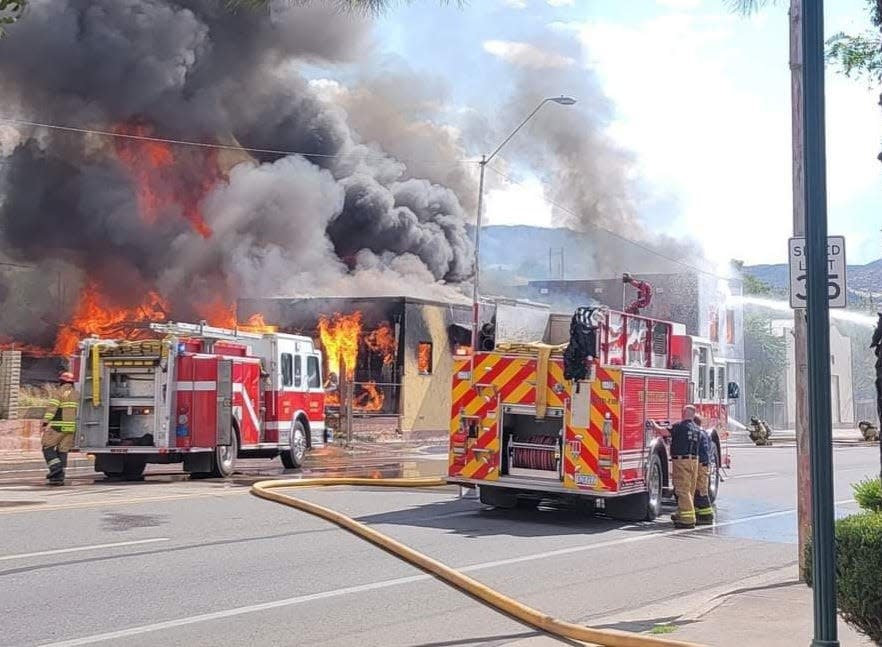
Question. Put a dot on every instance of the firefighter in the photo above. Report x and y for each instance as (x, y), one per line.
(704, 511)
(59, 427)
(684, 458)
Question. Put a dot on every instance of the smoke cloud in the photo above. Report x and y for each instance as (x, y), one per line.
(196, 224)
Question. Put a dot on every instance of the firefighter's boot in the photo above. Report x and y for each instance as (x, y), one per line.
(56, 461)
(683, 521)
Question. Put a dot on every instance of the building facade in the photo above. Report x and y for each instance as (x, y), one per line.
(842, 407)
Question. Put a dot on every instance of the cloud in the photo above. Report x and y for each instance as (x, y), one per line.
(561, 3)
(526, 55)
(680, 5)
(515, 4)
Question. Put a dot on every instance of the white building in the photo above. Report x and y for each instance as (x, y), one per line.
(841, 379)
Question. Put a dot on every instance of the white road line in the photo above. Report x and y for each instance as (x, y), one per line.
(373, 586)
(78, 549)
(217, 615)
(751, 476)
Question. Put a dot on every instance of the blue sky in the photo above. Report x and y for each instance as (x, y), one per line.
(701, 98)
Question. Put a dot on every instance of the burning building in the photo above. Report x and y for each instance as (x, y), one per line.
(396, 352)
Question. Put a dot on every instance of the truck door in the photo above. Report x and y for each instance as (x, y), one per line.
(315, 393)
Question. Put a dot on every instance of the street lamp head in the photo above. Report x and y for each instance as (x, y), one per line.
(562, 100)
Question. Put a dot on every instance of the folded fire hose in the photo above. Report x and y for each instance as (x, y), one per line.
(494, 599)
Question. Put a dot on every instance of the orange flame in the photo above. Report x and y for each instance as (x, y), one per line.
(256, 323)
(340, 337)
(161, 181)
(370, 398)
(424, 357)
(382, 340)
(96, 315)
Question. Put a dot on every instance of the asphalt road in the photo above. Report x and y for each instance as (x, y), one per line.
(176, 562)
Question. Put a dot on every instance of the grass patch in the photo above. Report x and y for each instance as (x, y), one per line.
(661, 630)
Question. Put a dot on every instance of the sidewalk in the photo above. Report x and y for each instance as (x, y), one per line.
(777, 614)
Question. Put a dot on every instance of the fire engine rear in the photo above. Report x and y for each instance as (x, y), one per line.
(201, 396)
(522, 431)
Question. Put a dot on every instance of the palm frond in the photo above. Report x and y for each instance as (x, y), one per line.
(748, 7)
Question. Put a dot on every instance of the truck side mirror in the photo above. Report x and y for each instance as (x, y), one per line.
(734, 391)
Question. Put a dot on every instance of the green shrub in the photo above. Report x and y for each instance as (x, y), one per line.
(858, 572)
(868, 494)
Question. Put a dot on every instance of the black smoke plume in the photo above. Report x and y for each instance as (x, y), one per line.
(344, 216)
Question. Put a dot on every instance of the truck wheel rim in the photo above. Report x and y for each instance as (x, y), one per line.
(654, 486)
(298, 443)
(713, 472)
(225, 456)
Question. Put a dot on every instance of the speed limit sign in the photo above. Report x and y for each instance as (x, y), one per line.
(835, 272)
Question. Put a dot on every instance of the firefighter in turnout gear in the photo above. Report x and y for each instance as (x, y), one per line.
(685, 437)
(704, 510)
(59, 427)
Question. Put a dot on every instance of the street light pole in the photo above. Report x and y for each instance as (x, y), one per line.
(485, 159)
(817, 309)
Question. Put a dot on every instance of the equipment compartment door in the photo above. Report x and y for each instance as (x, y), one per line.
(224, 401)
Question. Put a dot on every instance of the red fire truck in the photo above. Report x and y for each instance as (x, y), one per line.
(201, 396)
(521, 432)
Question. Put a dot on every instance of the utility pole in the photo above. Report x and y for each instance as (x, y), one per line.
(803, 458)
(818, 324)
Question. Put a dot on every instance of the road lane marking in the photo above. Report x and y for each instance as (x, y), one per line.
(78, 549)
(373, 586)
(752, 476)
(228, 613)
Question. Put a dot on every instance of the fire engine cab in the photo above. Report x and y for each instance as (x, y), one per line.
(522, 431)
(201, 396)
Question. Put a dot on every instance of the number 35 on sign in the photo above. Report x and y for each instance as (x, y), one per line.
(835, 272)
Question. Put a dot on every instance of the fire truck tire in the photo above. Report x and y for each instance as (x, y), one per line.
(645, 506)
(133, 468)
(713, 488)
(292, 458)
(223, 461)
(497, 497)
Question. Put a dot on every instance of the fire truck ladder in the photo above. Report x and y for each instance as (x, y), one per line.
(203, 330)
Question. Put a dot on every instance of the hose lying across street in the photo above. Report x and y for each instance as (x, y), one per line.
(494, 599)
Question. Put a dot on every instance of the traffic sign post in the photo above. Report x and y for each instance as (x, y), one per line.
(817, 304)
(836, 269)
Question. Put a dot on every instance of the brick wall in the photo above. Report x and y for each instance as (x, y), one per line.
(19, 435)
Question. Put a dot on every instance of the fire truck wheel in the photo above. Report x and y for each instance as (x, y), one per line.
(714, 485)
(498, 497)
(223, 461)
(645, 506)
(292, 458)
(133, 468)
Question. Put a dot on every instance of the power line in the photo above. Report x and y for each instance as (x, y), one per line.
(185, 142)
(617, 235)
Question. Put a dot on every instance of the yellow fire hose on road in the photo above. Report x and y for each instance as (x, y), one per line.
(494, 599)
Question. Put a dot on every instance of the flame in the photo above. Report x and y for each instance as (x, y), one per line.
(162, 180)
(256, 323)
(223, 315)
(370, 398)
(340, 337)
(424, 358)
(97, 315)
(382, 340)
